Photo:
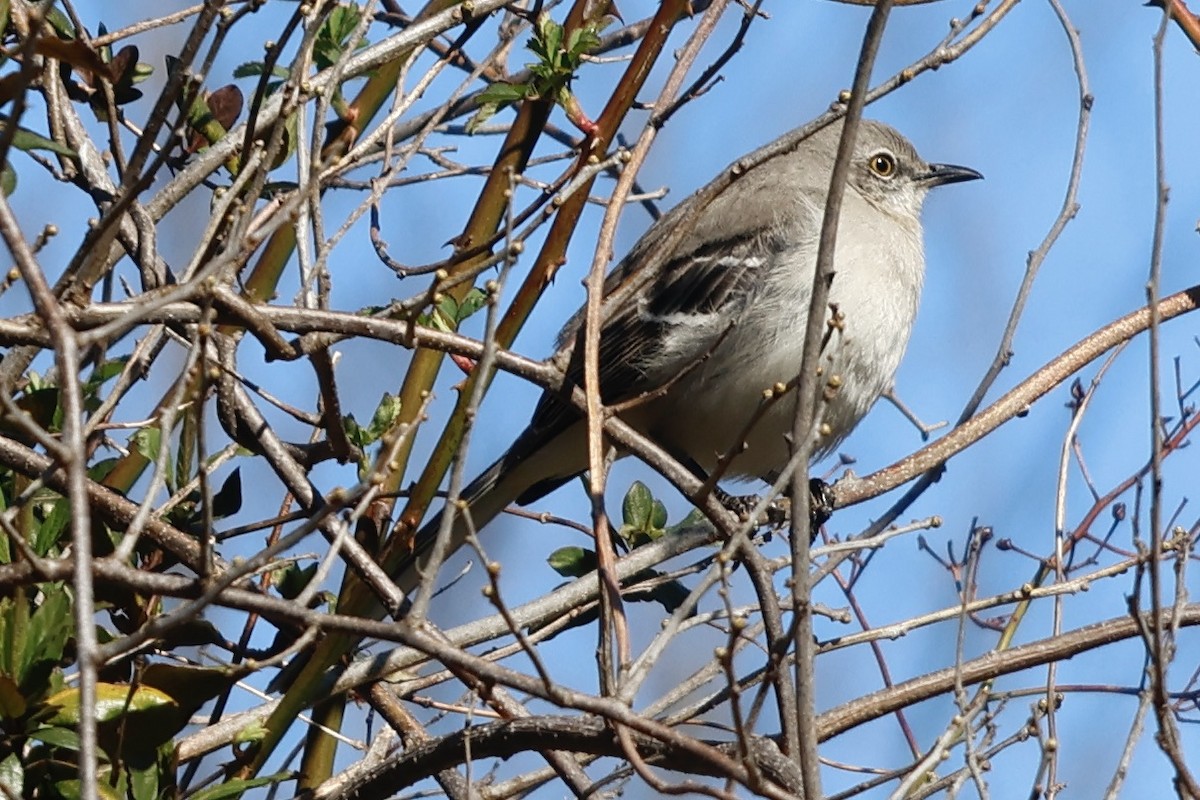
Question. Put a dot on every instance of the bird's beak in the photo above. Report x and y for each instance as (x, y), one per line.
(939, 174)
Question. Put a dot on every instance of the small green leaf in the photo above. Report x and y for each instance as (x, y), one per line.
(61, 23)
(334, 33)
(70, 790)
(142, 71)
(113, 700)
(442, 317)
(254, 732)
(106, 371)
(50, 626)
(235, 788)
(475, 300)
(57, 736)
(292, 579)
(143, 783)
(495, 97)
(147, 442)
(384, 418)
(354, 431)
(252, 68)
(638, 506)
(503, 93)
(694, 517)
(8, 179)
(99, 471)
(12, 703)
(12, 777)
(643, 517)
(572, 562)
(25, 139)
(50, 532)
(189, 687)
(658, 517)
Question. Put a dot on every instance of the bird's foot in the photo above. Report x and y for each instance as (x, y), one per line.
(778, 512)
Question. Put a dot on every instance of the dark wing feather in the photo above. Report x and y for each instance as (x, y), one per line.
(717, 278)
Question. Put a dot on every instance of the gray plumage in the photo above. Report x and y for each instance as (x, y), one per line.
(725, 318)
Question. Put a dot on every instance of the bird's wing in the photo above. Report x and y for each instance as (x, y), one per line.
(683, 314)
(706, 282)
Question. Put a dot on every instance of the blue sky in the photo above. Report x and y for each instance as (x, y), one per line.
(1008, 108)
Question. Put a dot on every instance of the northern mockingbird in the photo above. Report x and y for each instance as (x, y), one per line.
(724, 318)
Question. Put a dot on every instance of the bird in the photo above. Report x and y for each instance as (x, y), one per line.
(724, 317)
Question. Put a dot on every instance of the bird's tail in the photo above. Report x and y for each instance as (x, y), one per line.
(514, 478)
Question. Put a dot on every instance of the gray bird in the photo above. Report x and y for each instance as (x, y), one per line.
(725, 318)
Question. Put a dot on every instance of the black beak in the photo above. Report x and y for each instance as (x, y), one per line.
(939, 174)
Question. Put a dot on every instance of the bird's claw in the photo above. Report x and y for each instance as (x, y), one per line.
(778, 512)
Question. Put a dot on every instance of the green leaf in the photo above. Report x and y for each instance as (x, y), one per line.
(384, 418)
(8, 179)
(333, 34)
(57, 736)
(236, 788)
(504, 93)
(142, 71)
(69, 790)
(292, 579)
(694, 517)
(147, 442)
(638, 506)
(14, 624)
(25, 139)
(354, 431)
(61, 23)
(189, 687)
(476, 299)
(643, 516)
(658, 519)
(106, 371)
(143, 783)
(50, 627)
(113, 701)
(548, 41)
(253, 68)
(185, 451)
(49, 533)
(342, 21)
(12, 777)
(495, 97)
(254, 732)
(572, 562)
(99, 471)
(12, 703)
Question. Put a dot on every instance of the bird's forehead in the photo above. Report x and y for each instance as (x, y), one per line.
(874, 136)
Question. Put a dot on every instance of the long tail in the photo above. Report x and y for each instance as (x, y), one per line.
(514, 478)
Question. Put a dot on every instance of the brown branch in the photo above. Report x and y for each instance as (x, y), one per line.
(850, 491)
(992, 665)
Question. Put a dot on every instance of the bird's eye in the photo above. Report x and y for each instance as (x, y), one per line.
(883, 164)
